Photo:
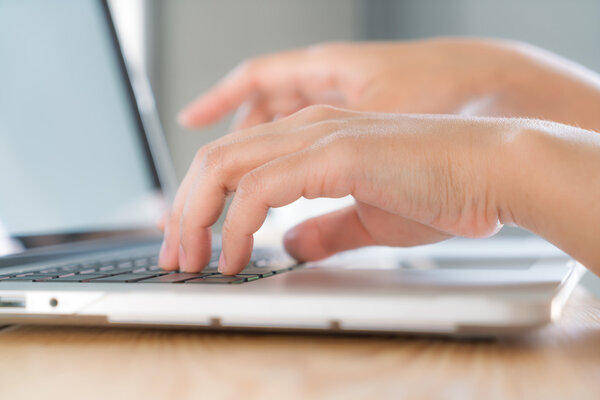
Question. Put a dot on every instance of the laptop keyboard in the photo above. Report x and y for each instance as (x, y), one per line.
(145, 269)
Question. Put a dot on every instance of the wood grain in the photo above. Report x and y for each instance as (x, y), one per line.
(561, 361)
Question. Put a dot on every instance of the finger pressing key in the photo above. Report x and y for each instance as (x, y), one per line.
(275, 184)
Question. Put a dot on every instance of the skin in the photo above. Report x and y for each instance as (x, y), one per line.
(416, 178)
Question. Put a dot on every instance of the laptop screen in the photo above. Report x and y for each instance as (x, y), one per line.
(73, 156)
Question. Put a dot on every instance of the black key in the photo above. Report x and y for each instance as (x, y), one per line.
(142, 262)
(153, 268)
(219, 279)
(263, 272)
(125, 278)
(117, 271)
(125, 264)
(32, 278)
(87, 271)
(78, 278)
(248, 277)
(108, 267)
(177, 277)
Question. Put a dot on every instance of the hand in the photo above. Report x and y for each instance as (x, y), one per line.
(416, 179)
(447, 76)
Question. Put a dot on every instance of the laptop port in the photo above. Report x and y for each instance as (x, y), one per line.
(12, 301)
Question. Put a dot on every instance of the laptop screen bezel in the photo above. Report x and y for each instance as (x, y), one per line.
(58, 238)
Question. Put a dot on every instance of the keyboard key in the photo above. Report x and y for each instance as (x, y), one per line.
(87, 271)
(142, 262)
(176, 277)
(262, 272)
(78, 278)
(117, 271)
(144, 269)
(32, 278)
(125, 264)
(225, 279)
(125, 278)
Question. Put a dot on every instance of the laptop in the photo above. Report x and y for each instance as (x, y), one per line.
(85, 173)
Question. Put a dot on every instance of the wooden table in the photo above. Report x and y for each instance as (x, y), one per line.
(561, 361)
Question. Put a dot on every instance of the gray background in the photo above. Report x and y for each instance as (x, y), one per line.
(190, 44)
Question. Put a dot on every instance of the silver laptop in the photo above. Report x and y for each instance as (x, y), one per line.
(85, 173)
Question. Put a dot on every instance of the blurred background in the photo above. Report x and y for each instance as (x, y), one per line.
(186, 45)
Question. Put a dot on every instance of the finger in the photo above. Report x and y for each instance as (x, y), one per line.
(160, 224)
(265, 75)
(198, 248)
(307, 173)
(220, 174)
(390, 229)
(267, 111)
(249, 114)
(170, 249)
(323, 236)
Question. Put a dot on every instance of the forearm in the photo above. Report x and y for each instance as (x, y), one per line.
(534, 83)
(554, 188)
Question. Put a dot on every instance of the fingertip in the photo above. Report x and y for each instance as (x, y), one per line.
(195, 114)
(301, 243)
(326, 235)
(290, 243)
(235, 255)
(195, 250)
(165, 259)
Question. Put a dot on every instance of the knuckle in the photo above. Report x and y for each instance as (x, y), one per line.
(339, 141)
(200, 154)
(250, 185)
(331, 126)
(318, 112)
(214, 159)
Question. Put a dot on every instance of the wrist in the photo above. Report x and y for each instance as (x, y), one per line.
(551, 187)
(517, 178)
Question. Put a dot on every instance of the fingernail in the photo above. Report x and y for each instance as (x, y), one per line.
(222, 263)
(162, 254)
(182, 259)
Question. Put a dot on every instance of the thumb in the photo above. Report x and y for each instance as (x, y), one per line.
(326, 235)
